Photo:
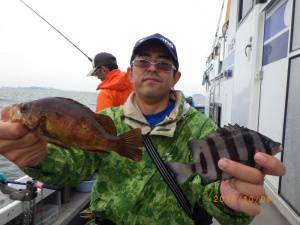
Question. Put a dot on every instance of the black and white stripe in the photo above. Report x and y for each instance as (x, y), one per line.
(215, 156)
(266, 143)
(250, 147)
(231, 147)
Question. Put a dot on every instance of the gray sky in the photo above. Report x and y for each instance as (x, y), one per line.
(33, 54)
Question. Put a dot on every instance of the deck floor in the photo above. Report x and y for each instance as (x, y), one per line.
(268, 215)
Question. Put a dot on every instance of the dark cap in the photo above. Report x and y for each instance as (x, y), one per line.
(102, 59)
(160, 39)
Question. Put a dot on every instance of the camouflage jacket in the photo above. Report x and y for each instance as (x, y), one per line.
(128, 192)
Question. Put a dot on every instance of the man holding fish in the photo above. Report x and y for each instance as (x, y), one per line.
(132, 191)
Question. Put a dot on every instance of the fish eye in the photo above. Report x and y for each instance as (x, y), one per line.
(24, 108)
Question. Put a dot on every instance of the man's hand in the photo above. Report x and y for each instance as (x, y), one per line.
(18, 144)
(243, 191)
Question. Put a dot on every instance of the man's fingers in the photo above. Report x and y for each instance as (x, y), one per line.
(238, 202)
(29, 156)
(247, 206)
(9, 130)
(244, 191)
(270, 164)
(33, 158)
(25, 141)
(4, 114)
(18, 144)
(240, 171)
(12, 131)
(253, 190)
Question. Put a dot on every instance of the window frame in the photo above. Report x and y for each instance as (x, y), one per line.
(240, 16)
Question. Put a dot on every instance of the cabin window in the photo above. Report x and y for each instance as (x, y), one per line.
(276, 34)
(296, 26)
(244, 8)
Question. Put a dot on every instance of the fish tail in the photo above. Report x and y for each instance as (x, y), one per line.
(182, 171)
(132, 141)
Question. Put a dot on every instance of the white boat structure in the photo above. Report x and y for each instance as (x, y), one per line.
(253, 79)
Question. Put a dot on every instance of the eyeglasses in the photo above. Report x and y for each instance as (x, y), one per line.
(160, 65)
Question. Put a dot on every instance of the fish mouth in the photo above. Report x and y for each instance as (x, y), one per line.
(276, 148)
(15, 113)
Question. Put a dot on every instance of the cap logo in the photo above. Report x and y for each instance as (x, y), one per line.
(141, 40)
(162, 39)
(167, 42)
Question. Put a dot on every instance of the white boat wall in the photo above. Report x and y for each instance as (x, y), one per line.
(252, 79)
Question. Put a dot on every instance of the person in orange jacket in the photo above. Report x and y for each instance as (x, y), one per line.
(115, 86)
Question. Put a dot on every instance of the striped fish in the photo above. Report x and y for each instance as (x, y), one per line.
(232, 142)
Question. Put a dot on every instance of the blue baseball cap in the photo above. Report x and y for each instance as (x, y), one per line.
(163, 41)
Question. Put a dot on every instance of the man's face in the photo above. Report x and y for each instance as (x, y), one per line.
(152, 73)
(101, 73)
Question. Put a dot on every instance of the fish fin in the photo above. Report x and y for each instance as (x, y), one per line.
(74, 102)
(228, 128)
(224, 132)
(278, 149)
(232, 129)
(56, 142)
(181, 171)
(205, 180)
(132, 142)
(107, 123)
(235, 126)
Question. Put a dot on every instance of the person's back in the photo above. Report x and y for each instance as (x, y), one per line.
(115, 86)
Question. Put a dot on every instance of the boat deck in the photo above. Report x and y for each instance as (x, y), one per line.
(268, 215)
(54, 209)
(69, 211)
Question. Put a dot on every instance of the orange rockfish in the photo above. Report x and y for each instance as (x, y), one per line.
(68, 123)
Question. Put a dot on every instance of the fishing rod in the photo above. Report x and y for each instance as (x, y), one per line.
(218, 26)
(56, 30)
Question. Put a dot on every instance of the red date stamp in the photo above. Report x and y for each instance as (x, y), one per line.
(251, 199)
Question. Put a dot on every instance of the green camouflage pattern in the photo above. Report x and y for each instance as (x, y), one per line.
(134, 193)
